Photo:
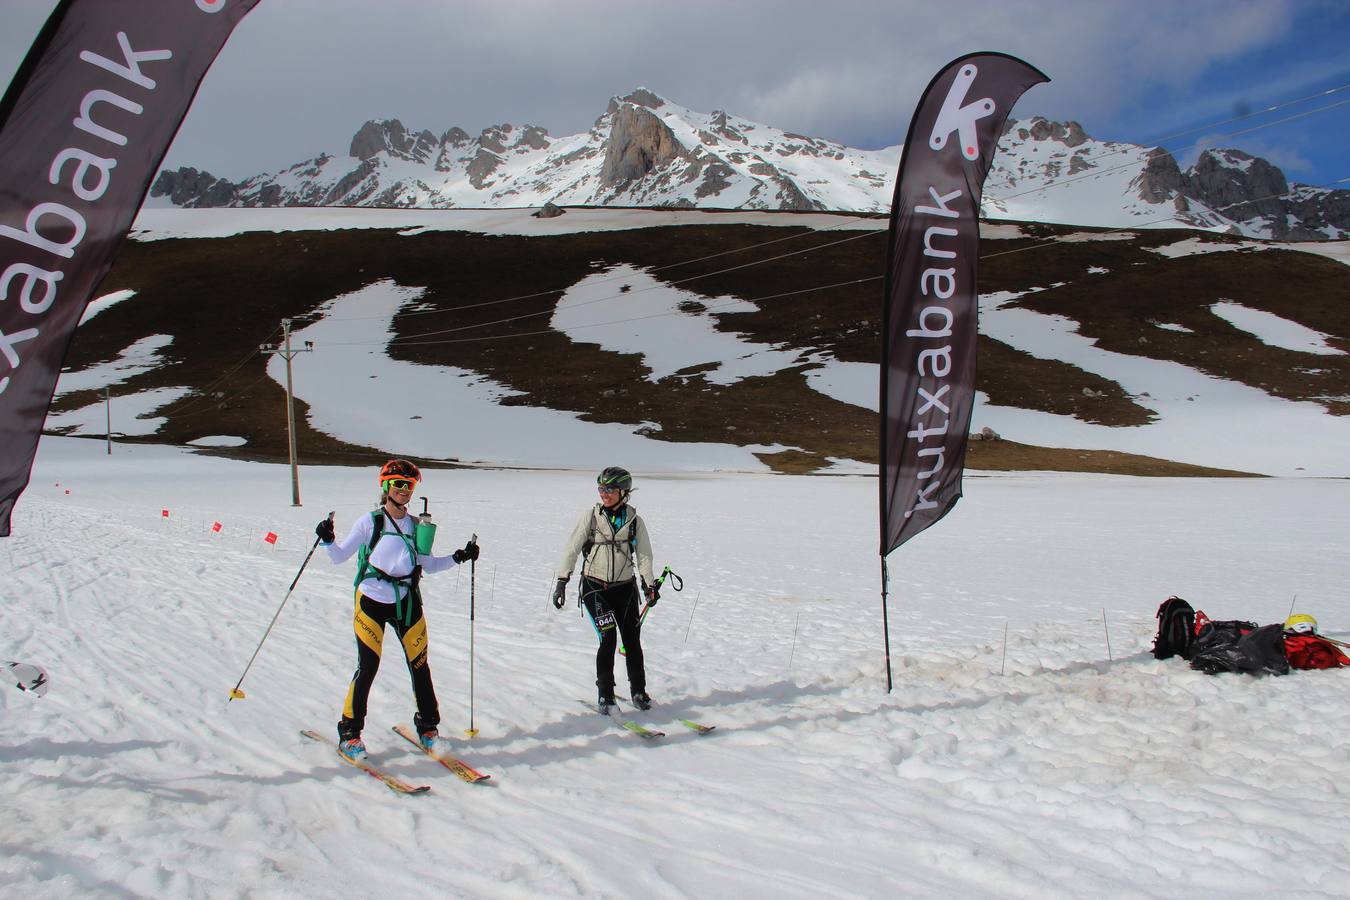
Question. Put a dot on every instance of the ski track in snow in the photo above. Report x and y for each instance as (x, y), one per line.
(1074, 773)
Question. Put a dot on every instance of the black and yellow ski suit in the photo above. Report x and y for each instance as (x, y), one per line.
(387, 595)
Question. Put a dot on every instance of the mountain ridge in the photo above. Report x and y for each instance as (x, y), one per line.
(646, 151)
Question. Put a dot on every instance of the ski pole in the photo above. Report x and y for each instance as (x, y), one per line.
(675, 581)
(235, 693)
(471, 731)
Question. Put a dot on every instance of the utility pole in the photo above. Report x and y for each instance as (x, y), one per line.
(289, 353)
(107, 405)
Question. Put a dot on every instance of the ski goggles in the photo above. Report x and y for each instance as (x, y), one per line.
(399, 484)
(606, 489)
(1302, 628)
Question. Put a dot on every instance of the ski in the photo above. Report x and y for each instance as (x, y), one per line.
(393, 782)
(698, 727)
(465, 771)
(27, 677)
(626, 723)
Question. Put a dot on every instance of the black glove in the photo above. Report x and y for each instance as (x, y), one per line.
(653, 593)
(325, 531)
(560, 593)
(469, 552)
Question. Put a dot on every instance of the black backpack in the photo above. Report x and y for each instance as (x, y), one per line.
(1258, 651)
(1210, 635)
(1176, 628)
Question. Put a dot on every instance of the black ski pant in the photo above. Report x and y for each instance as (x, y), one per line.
(613, 609)
(370, 620)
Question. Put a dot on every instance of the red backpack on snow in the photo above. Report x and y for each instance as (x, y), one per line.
(1308, 651)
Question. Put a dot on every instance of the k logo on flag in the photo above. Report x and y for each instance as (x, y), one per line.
(961, 119)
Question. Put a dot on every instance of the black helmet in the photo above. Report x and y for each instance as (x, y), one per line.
(615, 477)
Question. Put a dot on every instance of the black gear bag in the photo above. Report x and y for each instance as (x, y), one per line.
(1176, 629)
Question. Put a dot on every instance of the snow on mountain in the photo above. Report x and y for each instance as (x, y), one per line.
(646, 151)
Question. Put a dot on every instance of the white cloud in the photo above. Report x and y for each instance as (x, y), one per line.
(300, 76)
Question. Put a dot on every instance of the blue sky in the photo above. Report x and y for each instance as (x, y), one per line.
(1311, 55)
(299, 77)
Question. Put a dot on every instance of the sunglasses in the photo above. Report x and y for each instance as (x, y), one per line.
(399, 484)
(610, 490)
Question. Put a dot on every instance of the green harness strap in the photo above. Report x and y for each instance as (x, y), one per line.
(403, 606)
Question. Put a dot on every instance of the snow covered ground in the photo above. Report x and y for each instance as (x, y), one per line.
(1070, 764)
(1031, 746)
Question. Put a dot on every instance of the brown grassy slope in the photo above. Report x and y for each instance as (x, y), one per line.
(1307, 289)
(221, 298)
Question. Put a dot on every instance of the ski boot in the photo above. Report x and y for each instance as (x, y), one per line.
(428, 740)
(642, 700)
(354, 749)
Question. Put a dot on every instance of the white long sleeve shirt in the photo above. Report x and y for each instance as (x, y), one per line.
(396, 553)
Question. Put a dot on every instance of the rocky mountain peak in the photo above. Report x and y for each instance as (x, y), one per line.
(643, 97)
(389, 136)
(1240, 186)
(455, 137)
(1070, 134)
(639, 142)
(648, 151)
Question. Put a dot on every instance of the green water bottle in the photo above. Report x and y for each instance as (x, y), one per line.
(425, 531)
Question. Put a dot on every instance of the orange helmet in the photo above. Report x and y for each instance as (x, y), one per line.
(399, 468)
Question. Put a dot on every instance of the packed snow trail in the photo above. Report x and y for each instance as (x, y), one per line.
(1072, 774)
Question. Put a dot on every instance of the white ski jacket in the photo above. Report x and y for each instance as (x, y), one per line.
(609, 556)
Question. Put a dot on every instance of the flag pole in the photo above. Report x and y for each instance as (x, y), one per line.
(885, 624)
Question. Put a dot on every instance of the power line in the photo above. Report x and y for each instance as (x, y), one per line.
(204, 394)
(711, 306)
(1158, 141)
(545, 293)
(420, 340)
(405, 341)
(1141, 225)
(1098, 172)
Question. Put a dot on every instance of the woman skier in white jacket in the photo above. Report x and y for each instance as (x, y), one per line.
(616, 547)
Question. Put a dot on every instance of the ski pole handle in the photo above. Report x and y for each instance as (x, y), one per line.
(676, 582)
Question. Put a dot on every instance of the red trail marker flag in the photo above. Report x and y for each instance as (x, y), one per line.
(83, 128)
(929, 321)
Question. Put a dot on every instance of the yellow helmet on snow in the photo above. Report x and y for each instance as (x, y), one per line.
(1301, 623)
